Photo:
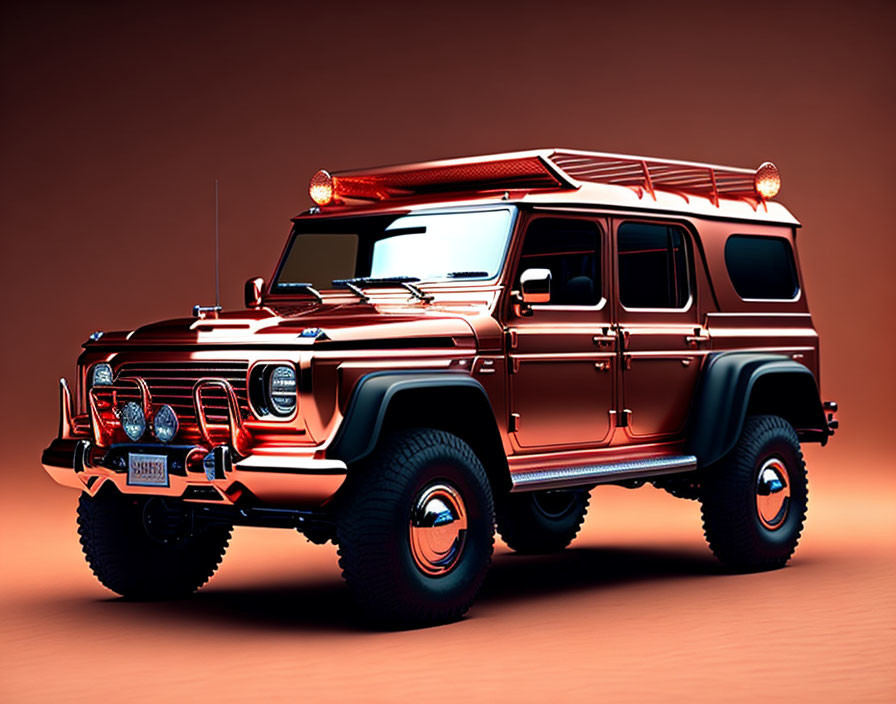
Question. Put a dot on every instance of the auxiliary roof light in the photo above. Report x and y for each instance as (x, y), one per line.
(321, 188)
(767, 180)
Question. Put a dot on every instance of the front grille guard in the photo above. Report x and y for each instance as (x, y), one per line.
(239, 436)
(103, 428)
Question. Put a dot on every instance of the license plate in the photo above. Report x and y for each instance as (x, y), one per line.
(147, 470)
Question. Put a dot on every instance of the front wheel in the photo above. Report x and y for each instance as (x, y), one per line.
(416, 529)
(754, 502)
(147, 548)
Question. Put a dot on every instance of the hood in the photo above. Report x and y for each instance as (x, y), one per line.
(310, 325)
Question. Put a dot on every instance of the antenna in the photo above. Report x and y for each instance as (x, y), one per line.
(217, 254)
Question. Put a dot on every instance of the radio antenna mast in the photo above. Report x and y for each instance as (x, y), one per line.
(217, 254)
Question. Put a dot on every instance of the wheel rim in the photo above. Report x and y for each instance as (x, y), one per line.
(438, 528)
(772, 494)
(554, 504)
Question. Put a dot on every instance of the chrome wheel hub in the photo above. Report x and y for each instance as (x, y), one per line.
(772, 494)
(438, 528)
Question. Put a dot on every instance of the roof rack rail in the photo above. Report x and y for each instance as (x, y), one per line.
(548, 169)
(649, 174)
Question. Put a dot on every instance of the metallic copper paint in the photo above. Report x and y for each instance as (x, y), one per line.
(118, 118)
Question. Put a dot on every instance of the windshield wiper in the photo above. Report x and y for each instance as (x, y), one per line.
(354, 288)
(406, 282)
(467, 274)
(307, 287)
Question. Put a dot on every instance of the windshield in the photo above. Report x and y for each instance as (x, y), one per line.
(430, 247)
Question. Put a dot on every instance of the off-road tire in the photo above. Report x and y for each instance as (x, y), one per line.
(129, 561)
(731, 520)
(373, 530)
(540, 522)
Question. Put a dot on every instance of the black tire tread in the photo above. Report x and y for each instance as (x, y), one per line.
(522, 533)
(126, 561)
(728, 521)
(365, 528)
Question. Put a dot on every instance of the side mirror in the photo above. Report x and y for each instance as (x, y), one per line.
(252, 292)
(535, 286)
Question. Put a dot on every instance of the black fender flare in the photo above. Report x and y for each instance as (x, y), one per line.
(366, 410)
(724, 393)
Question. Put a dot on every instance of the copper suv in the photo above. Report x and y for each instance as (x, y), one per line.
(454, 347)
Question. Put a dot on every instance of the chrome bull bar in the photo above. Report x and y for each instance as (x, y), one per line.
(102, 430)
(240, 439)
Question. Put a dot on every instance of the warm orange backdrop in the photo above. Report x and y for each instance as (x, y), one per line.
(115, 119)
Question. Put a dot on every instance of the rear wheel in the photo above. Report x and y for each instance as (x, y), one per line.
(541, 521)
(416, 529)
(147, 547)
(754, 502)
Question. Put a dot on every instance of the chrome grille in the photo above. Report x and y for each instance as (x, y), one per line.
(172, 383)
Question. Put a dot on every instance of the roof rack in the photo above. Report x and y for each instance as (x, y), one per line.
(526, 170)
(652, 174)
(548, 169)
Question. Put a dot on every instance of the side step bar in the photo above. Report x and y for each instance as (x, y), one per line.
(600, 473)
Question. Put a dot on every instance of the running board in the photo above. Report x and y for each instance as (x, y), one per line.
(600, 473)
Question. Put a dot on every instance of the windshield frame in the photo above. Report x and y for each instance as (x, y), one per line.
(274, 290)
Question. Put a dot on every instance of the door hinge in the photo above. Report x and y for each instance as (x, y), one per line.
(514, 422)
(624, 418)
(514, 365)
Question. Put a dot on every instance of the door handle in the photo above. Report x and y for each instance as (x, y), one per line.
(603, 365)
(697, 338)
(603, 340)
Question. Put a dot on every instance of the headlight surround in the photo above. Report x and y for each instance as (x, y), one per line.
(101, 375)
(133, 421)
(282, 389)
(165, 423)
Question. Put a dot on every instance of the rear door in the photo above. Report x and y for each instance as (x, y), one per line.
(659, 330)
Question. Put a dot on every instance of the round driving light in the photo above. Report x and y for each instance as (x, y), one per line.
(282, 390)
(101, 375)
(321, 188)
(133, 422)
(164, 423)
(767, 180)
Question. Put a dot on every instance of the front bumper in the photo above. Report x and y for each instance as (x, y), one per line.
(236, 471)
(268, 476)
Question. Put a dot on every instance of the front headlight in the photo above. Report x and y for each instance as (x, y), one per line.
(100, 375)
(282, 390)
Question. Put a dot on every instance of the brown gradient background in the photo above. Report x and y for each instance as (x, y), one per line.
(117, 118)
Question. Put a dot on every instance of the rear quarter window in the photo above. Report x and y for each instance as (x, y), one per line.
(761, 267)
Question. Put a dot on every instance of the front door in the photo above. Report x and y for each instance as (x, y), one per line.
(661, 335)
(562, 356)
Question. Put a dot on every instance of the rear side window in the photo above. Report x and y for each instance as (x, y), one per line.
(761, 267)
(653, 266)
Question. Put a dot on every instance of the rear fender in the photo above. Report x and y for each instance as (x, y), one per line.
(736, 384)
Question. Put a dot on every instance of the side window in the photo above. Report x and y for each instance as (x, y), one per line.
(761, 267)
(571, 250)
(653, 266)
